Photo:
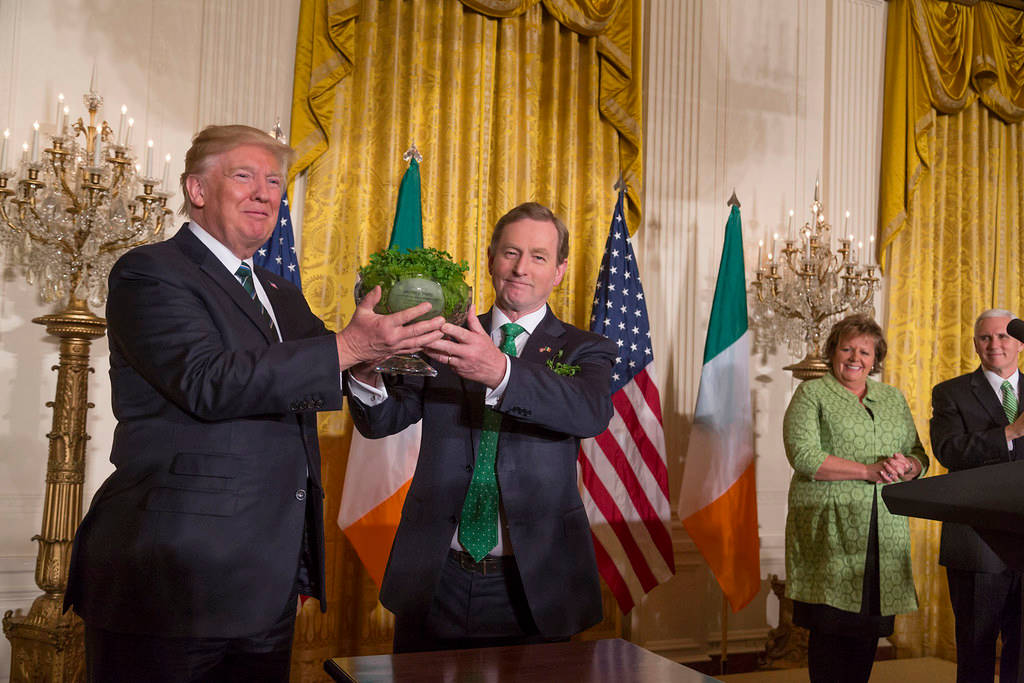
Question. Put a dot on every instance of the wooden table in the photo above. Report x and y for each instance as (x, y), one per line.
(593, 661)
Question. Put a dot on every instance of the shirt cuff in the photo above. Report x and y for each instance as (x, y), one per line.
(366, 394)
(493, 396)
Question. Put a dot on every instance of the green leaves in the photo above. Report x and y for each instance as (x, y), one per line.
(391, 265)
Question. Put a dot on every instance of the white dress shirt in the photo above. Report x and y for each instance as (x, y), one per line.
(374, 395)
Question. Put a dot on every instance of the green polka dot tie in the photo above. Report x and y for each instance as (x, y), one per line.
(244, 275)
(1009, 401)
(478, 528)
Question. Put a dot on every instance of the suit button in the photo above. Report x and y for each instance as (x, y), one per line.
(453, 519)
(300, 494)
(469, 468)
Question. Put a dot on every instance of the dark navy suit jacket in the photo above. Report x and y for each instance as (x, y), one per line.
(545, 416)
(199, 530)
(967, 431)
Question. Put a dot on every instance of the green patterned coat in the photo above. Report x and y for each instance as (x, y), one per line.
(828, 522)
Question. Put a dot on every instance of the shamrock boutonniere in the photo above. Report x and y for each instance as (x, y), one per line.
(558, 366)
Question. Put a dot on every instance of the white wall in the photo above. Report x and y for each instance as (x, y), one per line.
(177, 66)
(756, 96)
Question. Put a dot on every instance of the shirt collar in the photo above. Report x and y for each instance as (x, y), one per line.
(223, 254)
(528, 322)
(996, 382)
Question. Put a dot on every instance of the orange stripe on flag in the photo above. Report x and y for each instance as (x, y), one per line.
(373, 533)
(725, 530)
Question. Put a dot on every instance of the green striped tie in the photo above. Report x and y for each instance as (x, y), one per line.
(244, 275)
(1009, 401)
(478, 528)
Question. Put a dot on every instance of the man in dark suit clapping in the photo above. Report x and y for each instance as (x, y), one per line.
(976, 421)
(494, 546)
(188, 563)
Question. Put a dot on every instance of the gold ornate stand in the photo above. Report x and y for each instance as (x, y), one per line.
(46, 644)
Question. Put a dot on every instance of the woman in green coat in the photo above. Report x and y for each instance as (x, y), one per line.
(847, 558)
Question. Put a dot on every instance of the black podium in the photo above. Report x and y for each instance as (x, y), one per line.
(989, 499)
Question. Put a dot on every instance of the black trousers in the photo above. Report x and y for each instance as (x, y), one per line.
(841, 645)
(262, 658)
(471, 609)
(986, 606)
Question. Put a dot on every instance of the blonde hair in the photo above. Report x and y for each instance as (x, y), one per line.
(213, 141)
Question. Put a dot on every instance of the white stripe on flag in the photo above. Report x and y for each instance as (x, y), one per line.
(723, 415)
(376, 469)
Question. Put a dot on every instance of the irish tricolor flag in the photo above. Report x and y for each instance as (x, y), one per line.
(718, 501)
(379, 471)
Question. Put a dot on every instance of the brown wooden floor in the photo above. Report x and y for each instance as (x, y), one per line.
(922, 670)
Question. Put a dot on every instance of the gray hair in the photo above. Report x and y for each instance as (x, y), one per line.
(992, 313)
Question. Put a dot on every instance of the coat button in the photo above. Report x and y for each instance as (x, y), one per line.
(453, 519)
(469, 468)
(300, 494)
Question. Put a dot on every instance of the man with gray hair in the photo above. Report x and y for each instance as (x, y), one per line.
(976, 421)
(189, 561)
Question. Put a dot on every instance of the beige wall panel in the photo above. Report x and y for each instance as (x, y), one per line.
(760, 98)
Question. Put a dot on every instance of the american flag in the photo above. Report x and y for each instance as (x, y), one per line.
(278, 253)
(623, 470)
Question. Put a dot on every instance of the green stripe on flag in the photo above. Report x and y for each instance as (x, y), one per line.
(729, 309)
(407, 232)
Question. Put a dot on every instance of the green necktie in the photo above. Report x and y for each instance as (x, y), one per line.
(244, 275)
(1009, 401)
(478, 528)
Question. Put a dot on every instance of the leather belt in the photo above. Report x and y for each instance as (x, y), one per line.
(488, 565)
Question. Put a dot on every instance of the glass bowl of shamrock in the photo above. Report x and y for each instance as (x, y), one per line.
(407, 278)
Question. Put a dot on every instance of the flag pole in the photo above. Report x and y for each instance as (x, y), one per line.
(725, 634)
(733, 201)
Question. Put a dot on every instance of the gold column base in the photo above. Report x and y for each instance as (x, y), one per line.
(47, 645)
(811, 367)
(787, 643)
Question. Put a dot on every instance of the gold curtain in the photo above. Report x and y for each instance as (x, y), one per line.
(508, 101)
(950, 214)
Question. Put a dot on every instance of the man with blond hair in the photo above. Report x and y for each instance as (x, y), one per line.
(189, 561)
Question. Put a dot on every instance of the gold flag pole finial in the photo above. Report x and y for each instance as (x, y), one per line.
(733, 200)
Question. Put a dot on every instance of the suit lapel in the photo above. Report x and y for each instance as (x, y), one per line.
(987, 398)
(546, 341)
(208, 263)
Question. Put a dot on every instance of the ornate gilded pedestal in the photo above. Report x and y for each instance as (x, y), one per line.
(46, 644)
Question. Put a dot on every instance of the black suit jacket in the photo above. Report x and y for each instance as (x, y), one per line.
(545, 416)
(967, 431)
(199, 530)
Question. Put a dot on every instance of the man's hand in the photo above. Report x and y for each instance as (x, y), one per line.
(370, 338)
(470, 353)
(1015, 429)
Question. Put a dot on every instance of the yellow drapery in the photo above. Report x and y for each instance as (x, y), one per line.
(950, 211)
(508, 101)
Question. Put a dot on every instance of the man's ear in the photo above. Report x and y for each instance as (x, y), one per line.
(196, 191)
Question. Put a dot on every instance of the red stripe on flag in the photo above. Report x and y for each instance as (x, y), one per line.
(655, 526)
(650, 391)
(613, 515)
(635, 431)
(612, 577)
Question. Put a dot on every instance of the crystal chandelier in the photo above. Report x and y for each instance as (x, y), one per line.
(66, 214)
(799, 292)
(69, 211)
